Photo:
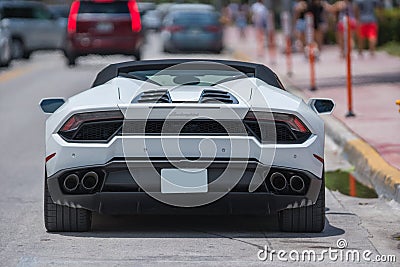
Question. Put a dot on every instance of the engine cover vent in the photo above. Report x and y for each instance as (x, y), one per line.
(153, 96)
(217, 96)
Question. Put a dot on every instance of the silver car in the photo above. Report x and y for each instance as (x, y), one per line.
(5, 46)
(32, 26)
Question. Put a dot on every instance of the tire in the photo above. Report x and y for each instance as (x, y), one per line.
(71, 61)
(165, 49)
(17, 48)
(58, 218)
(310, 219)
(6, 63)
(26, 54)
(8, 55)
(217, 51)
(138, 55)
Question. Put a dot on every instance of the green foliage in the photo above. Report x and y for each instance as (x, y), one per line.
(389, 25)
(393, 48)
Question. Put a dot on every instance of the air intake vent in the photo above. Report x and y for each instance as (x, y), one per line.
(153, 96)
(217, 96)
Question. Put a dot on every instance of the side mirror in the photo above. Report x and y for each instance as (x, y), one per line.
(322, 105)
(50, 105)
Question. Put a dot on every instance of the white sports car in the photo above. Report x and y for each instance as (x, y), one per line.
(185, 136)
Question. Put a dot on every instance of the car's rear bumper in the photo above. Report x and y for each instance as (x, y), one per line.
(83, 44)
(187, 43)
(118, 193)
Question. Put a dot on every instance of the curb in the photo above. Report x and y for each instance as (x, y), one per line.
(370, 168)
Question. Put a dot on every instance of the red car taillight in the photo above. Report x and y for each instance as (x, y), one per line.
(73, 16)
(294, 123)
(213, 28)
(135, 16)
(76, 120)
(174, 28)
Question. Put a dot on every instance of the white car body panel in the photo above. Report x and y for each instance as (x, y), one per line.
(119, 92)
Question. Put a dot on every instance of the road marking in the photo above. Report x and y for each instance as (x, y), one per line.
(14, 73)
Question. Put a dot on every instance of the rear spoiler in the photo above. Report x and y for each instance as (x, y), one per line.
(250, 69)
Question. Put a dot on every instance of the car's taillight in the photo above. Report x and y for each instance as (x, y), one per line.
(174, 28)
(135, 16)
(212, 28)
(92, 126)
(73, 16)
(76, 120)
(291, 120)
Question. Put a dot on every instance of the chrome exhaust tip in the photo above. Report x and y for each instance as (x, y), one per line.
(296, 183)
(71, 182)
(90, 180)
(278, 181)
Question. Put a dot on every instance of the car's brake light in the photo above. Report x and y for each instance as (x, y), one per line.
(73, 16)
(294, 123)
(174, 28)
(76, 120)
(212, 28)
(135, 16)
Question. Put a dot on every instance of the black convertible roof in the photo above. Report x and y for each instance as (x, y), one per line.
(256, 70)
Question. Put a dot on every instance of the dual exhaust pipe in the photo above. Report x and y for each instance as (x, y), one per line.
(88, 182)
(279, 182)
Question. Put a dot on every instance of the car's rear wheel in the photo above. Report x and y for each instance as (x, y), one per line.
(309, 219)
(71, 60)
(58, 218)
(138, 55)
(17, 48)
(26, 55)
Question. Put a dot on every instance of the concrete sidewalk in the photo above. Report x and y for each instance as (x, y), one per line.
(371, 140)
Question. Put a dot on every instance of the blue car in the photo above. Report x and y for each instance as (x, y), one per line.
(192, 31)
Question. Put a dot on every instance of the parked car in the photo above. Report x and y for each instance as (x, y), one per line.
(144, 7)
(33, 27)
(5, 46)
(192, 30)
(185, 136)
(152, 20)
(61, 11)
(190, 7)
(104, 28)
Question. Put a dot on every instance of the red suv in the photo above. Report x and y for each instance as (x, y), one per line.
(103, 27)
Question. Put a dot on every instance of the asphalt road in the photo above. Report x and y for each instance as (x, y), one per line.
(366, 224)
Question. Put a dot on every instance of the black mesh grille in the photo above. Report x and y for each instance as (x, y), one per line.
(283, 133)
(199, 127)
(94, 131)
(105, 130)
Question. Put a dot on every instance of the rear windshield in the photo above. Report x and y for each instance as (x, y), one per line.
(104, 8)
(30, 12)
(18, 12)
(174, 77)
(190, 18)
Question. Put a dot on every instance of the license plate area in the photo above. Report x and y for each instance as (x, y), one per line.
(184, 181)
(104, 27)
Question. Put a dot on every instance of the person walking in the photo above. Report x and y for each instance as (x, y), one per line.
(367, 26)
(317, 9)
(241, 20)
(344, 8)
(299, 10)
(259, 17)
